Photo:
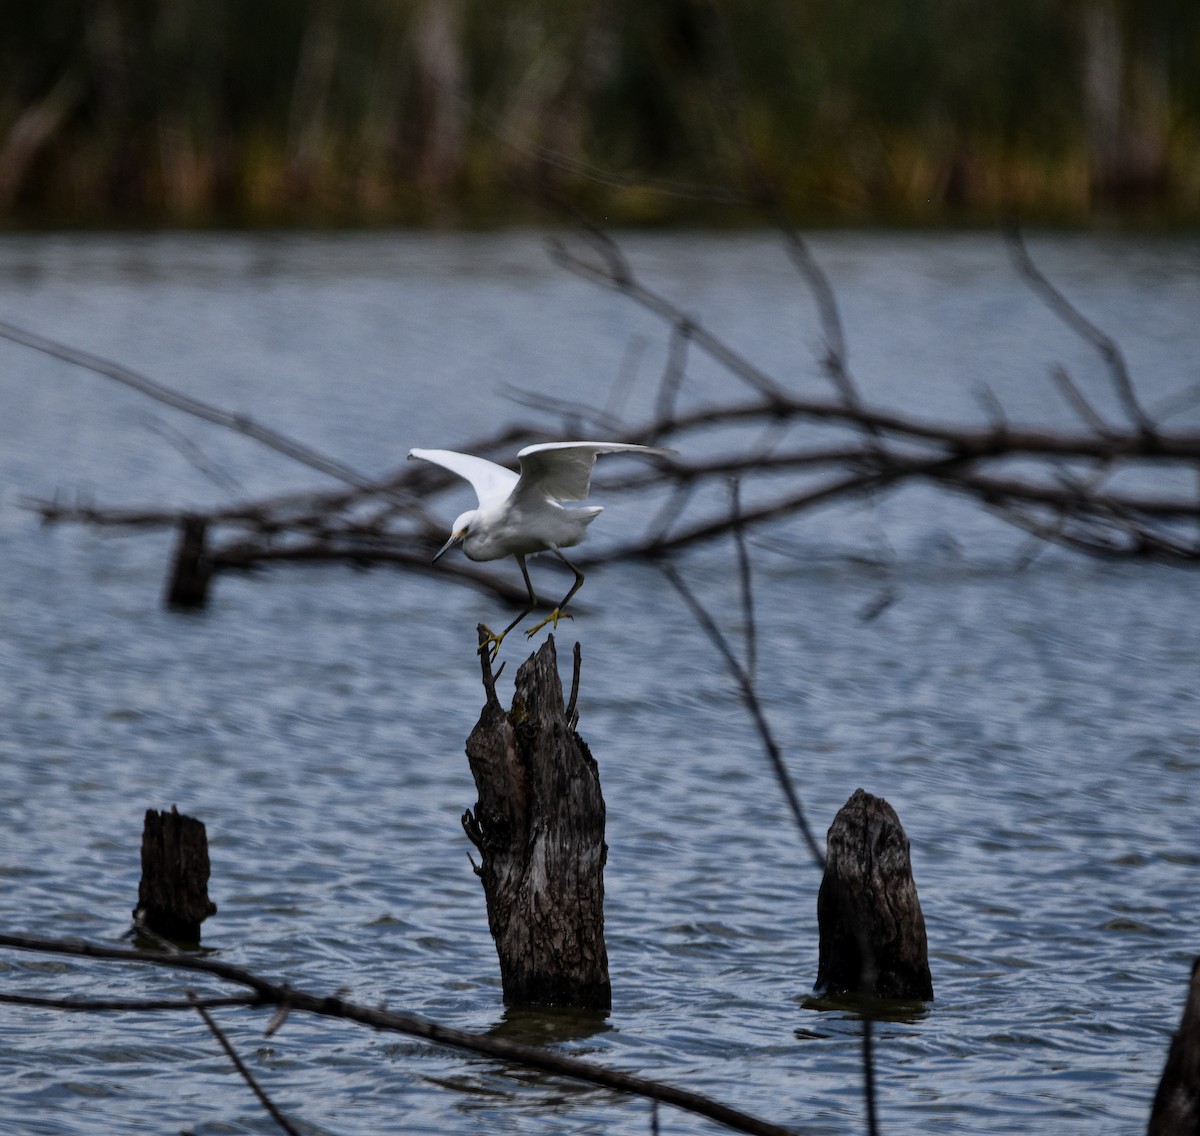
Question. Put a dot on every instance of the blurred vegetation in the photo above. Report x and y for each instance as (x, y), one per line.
(249, 112)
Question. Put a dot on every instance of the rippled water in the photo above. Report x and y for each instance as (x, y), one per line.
(1038, 731)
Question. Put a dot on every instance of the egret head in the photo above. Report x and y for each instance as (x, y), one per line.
(457, 535)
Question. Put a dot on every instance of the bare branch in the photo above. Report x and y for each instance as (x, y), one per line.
(673, 372)
(388, 521)
(749, 624)
(1106, 347)
(835, 359)
(194, 455)
(239, 423)
(129, 1005)
(240, 1066)
(487, 1045)
(1074, 398)
(624, 382)
(547, 404)
(617, 274)
(995, 411)
(750, 698)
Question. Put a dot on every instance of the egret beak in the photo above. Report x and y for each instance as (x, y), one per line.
(455, 538)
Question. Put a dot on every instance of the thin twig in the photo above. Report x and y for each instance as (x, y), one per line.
(128, 1005)
(762, 191)
(240, 1066)
(673, 372)
(992, 406)
(1076, 401)
(745, 681)
(1104, 345)
(194, 455)
(669, 513)
(753, 705)
(624, 382)
(749, 623)
(608, 423)
(239, 423)
(617, 274)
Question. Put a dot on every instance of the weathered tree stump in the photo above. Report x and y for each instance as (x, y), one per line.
(191, 566)
(872, 932)
(539, 828)
(1176, 1109)
(173, 893)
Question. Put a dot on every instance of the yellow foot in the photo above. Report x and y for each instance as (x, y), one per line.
(553, 618)
(492, 643)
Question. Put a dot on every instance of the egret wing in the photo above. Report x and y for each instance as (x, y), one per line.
(490, 481)
(562, 471)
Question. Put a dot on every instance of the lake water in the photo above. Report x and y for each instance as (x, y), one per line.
(1037, 730)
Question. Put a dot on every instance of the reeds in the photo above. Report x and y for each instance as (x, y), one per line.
(450, 112)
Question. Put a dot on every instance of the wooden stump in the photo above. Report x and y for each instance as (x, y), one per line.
(871, 927)
(173, 894)
(1176, 1109)
(191, 566)
(539, 828)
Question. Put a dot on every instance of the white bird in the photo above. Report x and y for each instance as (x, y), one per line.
(521, 515)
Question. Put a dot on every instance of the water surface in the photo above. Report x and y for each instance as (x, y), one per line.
(1037, 730)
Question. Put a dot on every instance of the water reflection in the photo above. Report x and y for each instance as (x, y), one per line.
(849, 1007)
(546, 1027)
(550, 1025)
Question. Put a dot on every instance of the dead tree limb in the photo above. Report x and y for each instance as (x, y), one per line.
(1059, 485)
(264, 992)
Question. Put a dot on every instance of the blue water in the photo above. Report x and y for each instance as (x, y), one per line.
(1037, 729)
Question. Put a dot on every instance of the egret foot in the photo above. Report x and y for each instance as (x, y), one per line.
(552, 618)
(492, 643)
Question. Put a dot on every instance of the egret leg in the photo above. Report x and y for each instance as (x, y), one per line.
(493, 641)
(559, 612)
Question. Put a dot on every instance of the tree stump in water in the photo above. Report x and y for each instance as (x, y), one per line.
(173, 893)
(539, 828)
(1176, 1109)
(191, 567)
(871, 927)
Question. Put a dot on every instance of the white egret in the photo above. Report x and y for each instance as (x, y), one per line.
(522, 514)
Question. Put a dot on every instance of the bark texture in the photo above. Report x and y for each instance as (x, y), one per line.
(1176, 1109)
(539, 828)
(173, 893)
(872, 932)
